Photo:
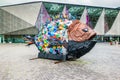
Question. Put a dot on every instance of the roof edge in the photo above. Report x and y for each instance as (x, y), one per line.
(57, 3)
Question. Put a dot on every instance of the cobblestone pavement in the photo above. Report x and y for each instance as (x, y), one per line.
(101, 63)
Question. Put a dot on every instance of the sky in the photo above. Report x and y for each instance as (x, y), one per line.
(100, 3)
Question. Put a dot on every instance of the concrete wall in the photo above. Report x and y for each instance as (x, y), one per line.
(19, 17)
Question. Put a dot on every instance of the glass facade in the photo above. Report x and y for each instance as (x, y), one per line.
(94, 14)
(110, 16)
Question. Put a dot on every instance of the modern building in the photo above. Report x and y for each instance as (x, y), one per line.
(20, 19)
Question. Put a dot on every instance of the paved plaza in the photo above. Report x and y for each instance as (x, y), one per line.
(101, 63)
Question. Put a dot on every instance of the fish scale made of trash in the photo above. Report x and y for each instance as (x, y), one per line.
(51, 36)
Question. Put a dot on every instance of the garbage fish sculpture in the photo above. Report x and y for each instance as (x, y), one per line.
(64, 39)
